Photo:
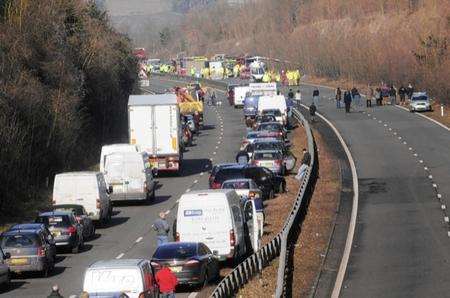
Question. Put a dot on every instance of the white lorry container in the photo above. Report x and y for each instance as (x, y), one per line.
(239, 95)
(217, 218)
(263, 89)
(88, 189)
(113, 148)
(130, 176)
(154, 126)
(277, 102)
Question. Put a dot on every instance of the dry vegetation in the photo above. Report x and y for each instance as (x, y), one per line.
(65, 77)
(368, 41)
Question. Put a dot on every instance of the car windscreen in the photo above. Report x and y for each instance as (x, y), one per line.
(184, 251)
(20, 240)
(236, 185)
(56, 221)
(226, 174)
(419, 98)
(270, 126)
(266, 155)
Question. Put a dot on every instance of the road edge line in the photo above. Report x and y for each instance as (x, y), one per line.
(352, 226)
(425, 117)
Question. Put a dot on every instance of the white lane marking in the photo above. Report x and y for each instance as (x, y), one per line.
(202, 173)
(434, 185)
(404, 142)
(415, 154)
(217, 147)
(395, 133)
(385, 125)
(218, 142)
(352, 225)
(193, 295)
(188, 190)
(195, 181)
(379, 121)
(425, 168)
(446, 218)
(399, 138)
(421, 161)
(390, 129)
(430, 176)
(428, 118)
(214, 153)
(409, 148)
(120, 256)
(443, 207)
(439, 196)
(139, 239)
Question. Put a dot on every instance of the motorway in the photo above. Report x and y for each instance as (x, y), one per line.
(401, 244)
(129, 234)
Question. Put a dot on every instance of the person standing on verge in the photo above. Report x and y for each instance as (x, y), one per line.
(298, 98)
(369, 97)
(338, 97)
(393, 95)
(167, 282)
(347, 101)
(380, 97)
(402, 94)
(409, 91)
(312, 112)
(55, 292)
(305, 163)
(316, 97)
(162, 229)
(291, 94)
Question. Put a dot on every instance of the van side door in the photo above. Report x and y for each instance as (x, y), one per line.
(252, 224)
(150, 287)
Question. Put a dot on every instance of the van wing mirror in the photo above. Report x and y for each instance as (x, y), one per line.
(7, 255)
(216, 253)
(110, 189)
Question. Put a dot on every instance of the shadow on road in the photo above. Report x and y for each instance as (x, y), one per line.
(115, 221)
(13, 285)
(194, 166)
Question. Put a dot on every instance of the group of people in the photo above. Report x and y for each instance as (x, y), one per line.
(380, 95)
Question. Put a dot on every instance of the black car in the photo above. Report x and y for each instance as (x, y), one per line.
(38, 227)
(267, 181)
(215, 169)
(68, 233)
(193, 263)
(81, 216)
(265, 118)
(28, 250)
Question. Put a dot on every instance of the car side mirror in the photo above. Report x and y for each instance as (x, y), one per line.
(110, 189)
(216, 253)
(7, 255)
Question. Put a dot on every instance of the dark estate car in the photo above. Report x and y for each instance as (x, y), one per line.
(29, 250)
(267, 181)
(81, 216)
(68, 233)
(193, 263)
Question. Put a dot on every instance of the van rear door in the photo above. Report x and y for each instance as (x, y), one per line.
(252, 224)
(206, 220)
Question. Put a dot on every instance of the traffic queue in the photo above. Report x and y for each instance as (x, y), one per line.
(222, 224)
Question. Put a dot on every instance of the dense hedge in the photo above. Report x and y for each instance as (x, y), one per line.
(65, 77)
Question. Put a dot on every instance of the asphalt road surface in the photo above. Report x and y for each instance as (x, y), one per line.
(129, 234)
(401, 245)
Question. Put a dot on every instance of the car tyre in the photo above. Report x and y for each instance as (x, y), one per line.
(92, 235)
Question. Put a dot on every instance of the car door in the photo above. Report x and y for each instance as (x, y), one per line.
(3, 267)
(252, 224)
(51, 242)
(212, 263)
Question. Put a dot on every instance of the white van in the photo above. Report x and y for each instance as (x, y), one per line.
(113, 148)
(133, 277)
(130, 176)
(239, 95)
(276, 102)
(216, 218)
(84, 188)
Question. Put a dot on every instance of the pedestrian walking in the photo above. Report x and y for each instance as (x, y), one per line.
(306, 158)
(409, 91)
(347, 101)
(338, 97)
(316, 97)
(356, 97)
(55, 292)
(167, 282)
(162, 229)
(312, 112)
(369, 97)
(393, 95)
(402, 94)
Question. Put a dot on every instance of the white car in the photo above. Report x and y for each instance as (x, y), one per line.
(419, 102)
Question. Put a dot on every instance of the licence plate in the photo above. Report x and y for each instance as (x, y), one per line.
(267, 164)
(56, 233)
(19, 261)
(176, 269)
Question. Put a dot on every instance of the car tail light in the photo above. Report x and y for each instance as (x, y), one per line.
(41, 252)
(97, 205)
(72, 230)
(215, 185)
(191, 263)
(177, 237)
(156, 265)
(232, 238)
(277, 162)
(78, 218)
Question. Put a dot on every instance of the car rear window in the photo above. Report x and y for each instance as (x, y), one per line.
(277, 113)
(184, 251)
(269, 126)
(236, 185)
(267, 155)
(227, 174)
(56, 221)
(421, 98)
(20, 240)
(268, 146)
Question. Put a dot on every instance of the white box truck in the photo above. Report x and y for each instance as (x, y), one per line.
(154, 126)
(239, 95)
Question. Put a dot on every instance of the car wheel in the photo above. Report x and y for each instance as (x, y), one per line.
(92, 232)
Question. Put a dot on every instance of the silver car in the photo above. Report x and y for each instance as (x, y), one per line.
(245, 188)
(419, 102)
